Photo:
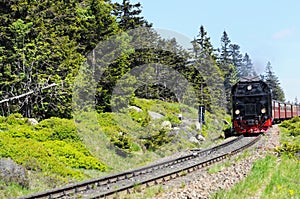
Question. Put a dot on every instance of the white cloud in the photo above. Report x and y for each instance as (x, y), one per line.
(284, 33)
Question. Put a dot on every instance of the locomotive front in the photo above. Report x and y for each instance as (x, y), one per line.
(251, 107)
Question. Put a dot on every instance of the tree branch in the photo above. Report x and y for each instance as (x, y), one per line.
(25, 94)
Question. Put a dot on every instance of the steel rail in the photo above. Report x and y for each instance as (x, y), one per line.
(90, 184)
(175, 173)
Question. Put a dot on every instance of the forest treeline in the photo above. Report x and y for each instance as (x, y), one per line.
(44, 43)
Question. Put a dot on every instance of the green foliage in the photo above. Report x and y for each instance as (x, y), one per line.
(156, 140)
(292, 126)
(61, 129)
(52, 147)
(273, 82)
(290, 137)
(204, 132)
(38, 49)
(289, 148)
(142, 118)
(117, 134)
(122, 141)
(173, 119)
(142, 103)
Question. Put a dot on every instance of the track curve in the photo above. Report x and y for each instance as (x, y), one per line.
(147, 175)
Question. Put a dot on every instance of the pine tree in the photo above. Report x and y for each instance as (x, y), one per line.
(236, 57)
(43, 42)
(225, 58)
(247, 69)
(273, 82)
(128, 15)
(195, 49)
(206, 48)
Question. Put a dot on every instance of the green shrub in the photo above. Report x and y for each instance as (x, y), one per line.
(52, 147)
(122, 141)
(15, 119)
(290, 137)
(106, 119)
(157, 139)
(61, 129)
(11, 121)
(118, 135)
(142, 118)
(173, 119)
(289, 148)
(56, 156)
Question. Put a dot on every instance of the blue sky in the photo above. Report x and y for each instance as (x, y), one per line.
(268, 30)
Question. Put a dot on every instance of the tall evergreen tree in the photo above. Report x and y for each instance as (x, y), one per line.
(44, 43)
(128, 15)
(247, 67)
(206, 48)
(195, 49)
(236, 57)
(204, 60)
(225, 54)
(272, 80)
(225, 65)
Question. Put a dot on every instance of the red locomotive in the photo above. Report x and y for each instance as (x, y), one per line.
(254, 111)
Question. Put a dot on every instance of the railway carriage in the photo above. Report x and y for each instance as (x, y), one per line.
(282, 111)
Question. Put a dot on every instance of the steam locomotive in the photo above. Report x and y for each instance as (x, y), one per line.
(254, 111)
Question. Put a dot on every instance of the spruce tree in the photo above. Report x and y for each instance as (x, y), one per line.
(205, 62)
(236, 58)
(225, 58)
(44, 42)
(206, 48)
(128, 15)
(273, 82)
(247, 69)
(225, 64)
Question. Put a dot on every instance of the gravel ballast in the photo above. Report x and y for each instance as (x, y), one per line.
(202, 184)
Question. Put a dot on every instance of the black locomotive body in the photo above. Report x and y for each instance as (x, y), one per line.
(251, 106)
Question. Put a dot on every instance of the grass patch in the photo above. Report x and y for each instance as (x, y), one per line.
(252, 184)
(11, 190)
(285, 180)
(272, 177)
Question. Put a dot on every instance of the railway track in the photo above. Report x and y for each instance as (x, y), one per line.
(147, 175)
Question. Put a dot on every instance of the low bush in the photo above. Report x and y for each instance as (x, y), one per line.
(142, 118)
(52, 146)
(61, 129)
(156, 139)
(290, 137)
(117, 135)
(289, 148)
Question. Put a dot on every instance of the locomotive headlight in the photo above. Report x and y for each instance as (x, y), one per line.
(237, 111)
(249, 87)
(263, 110)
